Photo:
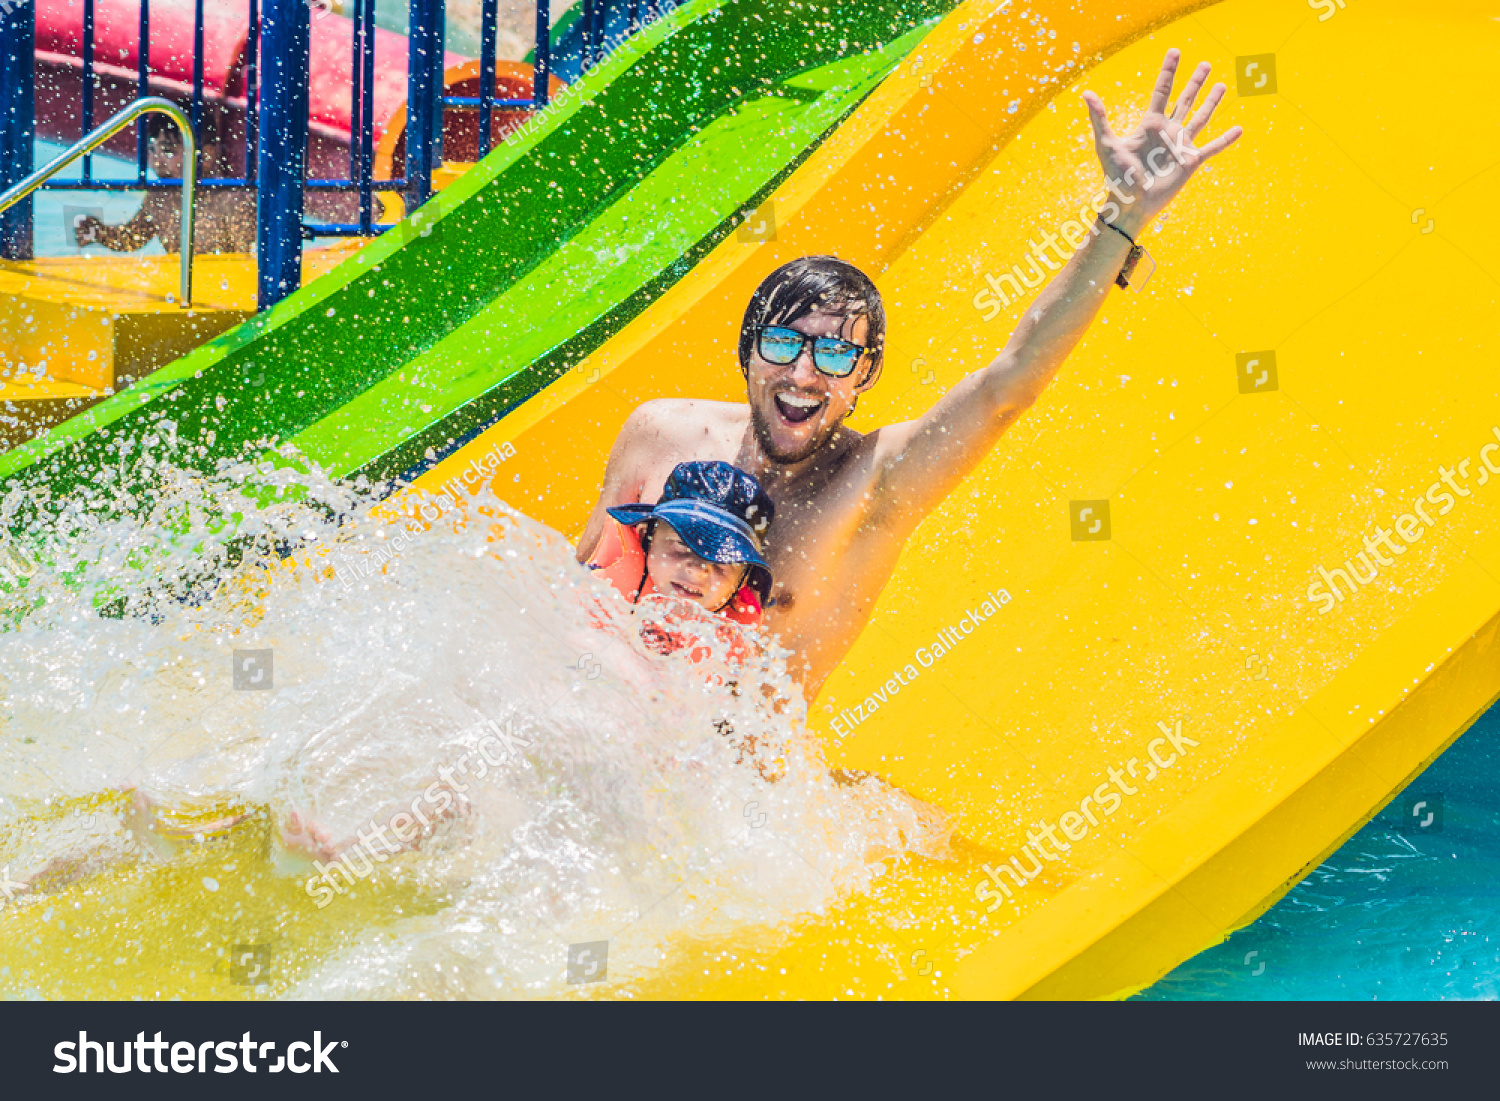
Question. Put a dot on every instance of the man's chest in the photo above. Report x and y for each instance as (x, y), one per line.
(698, 448)
(816, 550)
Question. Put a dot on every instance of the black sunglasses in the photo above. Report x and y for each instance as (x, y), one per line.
(833, 357)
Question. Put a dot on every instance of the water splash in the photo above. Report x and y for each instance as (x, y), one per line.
(272, 645)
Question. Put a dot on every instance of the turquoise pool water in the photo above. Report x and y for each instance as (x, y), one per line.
(1400, 911)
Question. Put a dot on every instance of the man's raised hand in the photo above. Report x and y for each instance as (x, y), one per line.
(1147, 167)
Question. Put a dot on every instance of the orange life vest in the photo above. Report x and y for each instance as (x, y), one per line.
(621, 560)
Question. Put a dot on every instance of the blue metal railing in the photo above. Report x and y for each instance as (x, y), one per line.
(275, 125)
(362, 139)
(17, 122)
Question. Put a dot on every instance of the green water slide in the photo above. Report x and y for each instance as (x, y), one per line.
(527, 263)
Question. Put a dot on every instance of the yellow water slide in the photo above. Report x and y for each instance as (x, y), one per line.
(1249, 538)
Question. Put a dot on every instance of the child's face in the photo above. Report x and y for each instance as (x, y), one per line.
(678, 572)
(166, 155)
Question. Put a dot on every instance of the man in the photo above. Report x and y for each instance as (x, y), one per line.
(846, 503)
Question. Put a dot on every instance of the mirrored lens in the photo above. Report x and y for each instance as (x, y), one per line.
(780, 345)
(836, 357)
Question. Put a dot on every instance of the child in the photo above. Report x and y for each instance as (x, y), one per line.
(225, 219)
(702, 543)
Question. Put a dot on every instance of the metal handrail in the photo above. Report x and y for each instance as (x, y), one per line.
(101, 134)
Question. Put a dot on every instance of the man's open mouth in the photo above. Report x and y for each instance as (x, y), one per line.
(795, 408)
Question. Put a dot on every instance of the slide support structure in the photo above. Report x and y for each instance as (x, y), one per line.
(424, 83)
(542, 69)
(17, 121)
(281, 163)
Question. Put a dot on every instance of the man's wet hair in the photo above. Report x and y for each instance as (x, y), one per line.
(822, 283)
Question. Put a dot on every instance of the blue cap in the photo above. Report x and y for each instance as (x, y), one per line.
(720, 512)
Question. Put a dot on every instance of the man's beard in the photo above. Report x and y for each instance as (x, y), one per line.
(768, 445)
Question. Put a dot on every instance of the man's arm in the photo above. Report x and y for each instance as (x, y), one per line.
(923, 460)
(616, 487)
(623, 476)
